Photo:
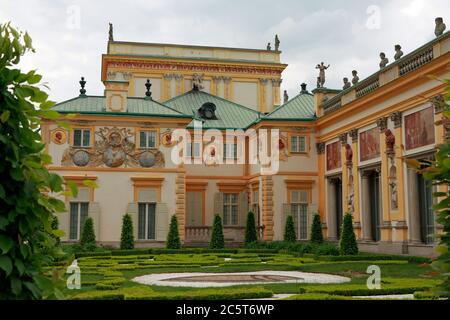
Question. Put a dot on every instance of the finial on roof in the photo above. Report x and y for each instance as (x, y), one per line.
(82, 90)
(148, 93)
(440, 26)
(111, 36)
(303, 86)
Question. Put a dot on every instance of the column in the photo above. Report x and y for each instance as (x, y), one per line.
(356, 187)
(343, 140)
(276, 91)
(365, 207)
(167, 81)
(179, 85)
(267, 208)
(320, 148)
(262, 95)
(180, 211)
(384, 183)
(227, 88)
(215, 85)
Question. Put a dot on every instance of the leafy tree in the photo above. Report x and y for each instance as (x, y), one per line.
(27, 189)
(127, 236)
(250, 229)
(173, 238)
(316, 230)
(87, 239)
(438, 171)
(289, 230)
(347, 244)
(217, 238)
(55, 226)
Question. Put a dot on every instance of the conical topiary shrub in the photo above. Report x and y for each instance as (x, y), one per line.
(316, 230)
(347, 244)
(250, 229)
(88, 235)
(217, 239)
(289, 230)
(127, 237)
(173, 238)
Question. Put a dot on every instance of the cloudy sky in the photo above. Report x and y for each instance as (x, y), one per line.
(70, 36)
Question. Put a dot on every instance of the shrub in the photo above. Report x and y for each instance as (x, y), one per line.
(316, 230)
(217, 239)
(127, 237)
(347, 244)
(88, 235)
(250, 229)
(251, 233)
(289, 230)
(173, 238)
(55, 225)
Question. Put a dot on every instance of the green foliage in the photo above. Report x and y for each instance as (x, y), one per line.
(173, 238)
(316, 230)
(289, 230)
(438, 171)
(87, 239)
(27, 204)
(127, 236)
(250, 229)
(55, 226)
(295, 247)
(347, 243)
(217, 238)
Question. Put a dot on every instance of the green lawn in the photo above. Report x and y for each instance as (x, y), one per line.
(109, 277)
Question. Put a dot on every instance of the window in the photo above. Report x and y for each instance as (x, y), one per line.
(146, 221)
(230, 209)
(193, 149)
(299, 210)
(298, 144)
(81, 137)
(147, 139)
(230, 151)
(78, 214)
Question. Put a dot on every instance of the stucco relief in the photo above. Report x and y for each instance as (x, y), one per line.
(113, 147)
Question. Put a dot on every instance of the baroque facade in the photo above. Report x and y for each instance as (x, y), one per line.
(339, 150)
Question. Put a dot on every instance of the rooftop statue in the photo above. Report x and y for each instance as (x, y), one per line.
(347, 83)
(277, 43)
(197, 82)
(321, 77)
(285, 97)
(355, 77)
(384, 61)
(111, 37)
(269, 47)
(440, 26)
(398, 52)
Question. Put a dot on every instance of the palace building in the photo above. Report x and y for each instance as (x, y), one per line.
(340, 150)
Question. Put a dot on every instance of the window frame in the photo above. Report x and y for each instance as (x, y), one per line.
(79, 219)
(228, 205)
(146, 222)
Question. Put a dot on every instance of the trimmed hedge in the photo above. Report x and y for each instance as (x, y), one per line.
(289, 230)
(250, 230)
(217, 238)
(297, 247)
(370, 257)
(173, 238)
(127, 237)
(317, 296)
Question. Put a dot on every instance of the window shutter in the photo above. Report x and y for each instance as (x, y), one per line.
(94, 213)
(243, 208)
(162, 221)
(286, 213)
(132, 211)
(218, 204)
(63, 220)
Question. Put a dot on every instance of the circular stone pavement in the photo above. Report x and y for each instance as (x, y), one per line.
(200, 280)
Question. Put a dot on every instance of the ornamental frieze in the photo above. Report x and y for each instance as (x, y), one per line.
(113, 147)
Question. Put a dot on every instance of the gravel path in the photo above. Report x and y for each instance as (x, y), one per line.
(236, 278)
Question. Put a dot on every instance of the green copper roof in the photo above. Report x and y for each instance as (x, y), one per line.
(229, 114)
(135, 106)
(300, 107)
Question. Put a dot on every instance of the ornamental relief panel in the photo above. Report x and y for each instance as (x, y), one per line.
(113, 147)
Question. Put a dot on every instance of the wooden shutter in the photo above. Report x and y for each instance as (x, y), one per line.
(132, 210)
(218, 204)
(243, 208)
(162, 221)
(286, 213)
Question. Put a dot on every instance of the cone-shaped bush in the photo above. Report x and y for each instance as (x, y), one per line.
(88, 234)
(173, 238)
(127, 237)
(289, 230)
(316, 230)
(347, 244)
(217, 239)
(250, 229)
